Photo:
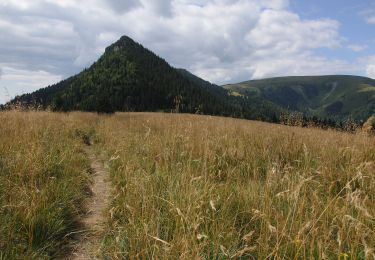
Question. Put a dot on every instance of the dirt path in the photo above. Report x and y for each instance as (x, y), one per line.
(88, 242)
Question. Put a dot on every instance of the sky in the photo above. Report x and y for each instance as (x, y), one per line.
(223, 41)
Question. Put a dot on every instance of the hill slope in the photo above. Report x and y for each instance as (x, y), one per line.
(128, 77)
(323, 96)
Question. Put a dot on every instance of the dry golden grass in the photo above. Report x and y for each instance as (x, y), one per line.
(43, 173)
(206, 187)
(188, 187)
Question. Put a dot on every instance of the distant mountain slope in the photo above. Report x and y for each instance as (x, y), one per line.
(128, 77)
(322, 96)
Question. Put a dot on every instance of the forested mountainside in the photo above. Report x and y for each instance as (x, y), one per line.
(335, 96)
(129, 77)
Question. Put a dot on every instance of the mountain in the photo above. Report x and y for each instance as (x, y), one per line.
(336, 96)
(128, 77)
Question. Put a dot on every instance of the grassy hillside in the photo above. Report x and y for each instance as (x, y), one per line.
(214, 188)
(187, 186)
(322, 96)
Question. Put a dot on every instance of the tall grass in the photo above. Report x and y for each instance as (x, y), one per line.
(187, 187)
(205, 187)
(43, 175)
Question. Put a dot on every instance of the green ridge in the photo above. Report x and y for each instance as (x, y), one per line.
(335, 96)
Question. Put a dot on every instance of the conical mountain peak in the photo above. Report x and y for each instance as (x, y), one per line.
(129, 77)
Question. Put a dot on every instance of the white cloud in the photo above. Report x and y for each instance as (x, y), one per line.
(285, 32)
(370, 16)
(357, 47)
(223, 41)
(15, 82)
(120, 6)
(371, 71)
(299, 65)
(371, 19)
(160, 7)
(220, 40)
(368, 63)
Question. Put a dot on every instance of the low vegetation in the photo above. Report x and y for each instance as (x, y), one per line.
(204, 187)
(43, 175)
(187, 186)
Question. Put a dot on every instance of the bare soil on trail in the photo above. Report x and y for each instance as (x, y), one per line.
(93, 222)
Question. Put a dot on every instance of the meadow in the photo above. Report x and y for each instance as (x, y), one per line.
(44, 175)
(187, 187)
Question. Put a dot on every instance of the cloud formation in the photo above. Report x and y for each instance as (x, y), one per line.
(357, 47)
(370, 16)
(17, 81)
(220, 40)
(370, 69)
(120, 6)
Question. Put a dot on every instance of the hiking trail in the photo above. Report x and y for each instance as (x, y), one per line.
(94, 220)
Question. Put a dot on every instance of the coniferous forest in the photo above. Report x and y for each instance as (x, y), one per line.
(129, 77)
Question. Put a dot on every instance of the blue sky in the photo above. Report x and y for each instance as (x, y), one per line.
(224, 41)
(353, 16)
